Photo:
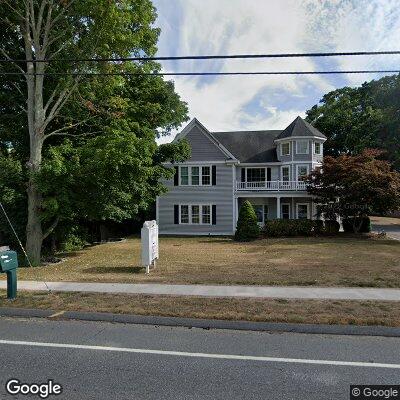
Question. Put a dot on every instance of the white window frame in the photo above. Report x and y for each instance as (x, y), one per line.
(190, 205)
(297, 170)
(200, 167)
(282, 153)
(288, 167)
(302, 204)
(307, 149)
(290, 210)
(320, 148)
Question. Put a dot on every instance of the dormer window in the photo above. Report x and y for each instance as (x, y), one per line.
(285, 149)
(317, 148)
(302, 146)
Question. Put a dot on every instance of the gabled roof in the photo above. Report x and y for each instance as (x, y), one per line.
(196, 122)
(299, 128)
(250, 146)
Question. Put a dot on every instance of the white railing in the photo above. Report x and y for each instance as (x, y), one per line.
(272, 185)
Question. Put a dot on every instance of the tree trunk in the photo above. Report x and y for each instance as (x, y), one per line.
(34, 234)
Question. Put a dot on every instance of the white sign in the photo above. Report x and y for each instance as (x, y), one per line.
(149, 241)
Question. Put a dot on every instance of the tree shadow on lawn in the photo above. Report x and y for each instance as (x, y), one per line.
(114, 270)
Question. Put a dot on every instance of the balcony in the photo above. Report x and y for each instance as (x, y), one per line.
(272, 186)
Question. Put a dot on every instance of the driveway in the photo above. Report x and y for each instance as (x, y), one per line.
(390, 225)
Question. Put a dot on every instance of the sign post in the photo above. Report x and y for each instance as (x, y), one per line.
(149, 242)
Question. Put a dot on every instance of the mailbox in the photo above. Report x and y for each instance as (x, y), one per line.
(9, 265)
(8, 260)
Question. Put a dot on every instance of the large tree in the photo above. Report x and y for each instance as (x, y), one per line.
(363, 117)
(101, 116)
(355, 186)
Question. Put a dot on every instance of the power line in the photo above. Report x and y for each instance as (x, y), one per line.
(204, 73)
(212, 57)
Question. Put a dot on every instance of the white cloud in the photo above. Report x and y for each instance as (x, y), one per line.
(269, 26)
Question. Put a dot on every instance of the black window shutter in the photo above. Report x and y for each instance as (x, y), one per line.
(269, 174)
(214, 214)
(176, 214)
(214, 175)
(243, 174)
(176, 176)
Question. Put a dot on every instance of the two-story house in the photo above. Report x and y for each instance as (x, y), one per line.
(226, 168)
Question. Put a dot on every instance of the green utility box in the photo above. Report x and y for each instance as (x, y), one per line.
(9, 265)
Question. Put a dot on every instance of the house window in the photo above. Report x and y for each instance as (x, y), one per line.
(206, 215)
(184, 214)
(205, 176)
(195, 176)
(317, 148)
(184, 176)
(302, 172)
(195, 214)
(302, 146)
(285, 211)
(286, 174)
(255, 174)
(302, 211)
(285, 149)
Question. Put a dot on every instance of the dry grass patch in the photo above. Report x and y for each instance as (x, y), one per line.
(296, 311)
(319, 261)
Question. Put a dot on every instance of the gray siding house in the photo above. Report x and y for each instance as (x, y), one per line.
(227, 168)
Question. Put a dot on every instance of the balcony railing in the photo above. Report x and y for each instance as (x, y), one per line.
(275, 186)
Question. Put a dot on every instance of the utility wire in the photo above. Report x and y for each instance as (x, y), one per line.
(19, 241)
(212, 57)
(380, 71)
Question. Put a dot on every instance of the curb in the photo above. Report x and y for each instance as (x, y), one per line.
(272, 327)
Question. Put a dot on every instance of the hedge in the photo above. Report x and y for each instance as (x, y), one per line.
(365, 224)
(290, 227)
(247, 226)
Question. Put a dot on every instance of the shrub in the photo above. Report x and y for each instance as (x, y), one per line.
(247, 227)
(289, 227)
(318, 226)
(348, 224)
(332, 226)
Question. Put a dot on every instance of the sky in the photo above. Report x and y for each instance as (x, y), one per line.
(210, 27)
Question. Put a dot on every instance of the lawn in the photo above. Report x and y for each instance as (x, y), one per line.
(320, 261)
(269, 310)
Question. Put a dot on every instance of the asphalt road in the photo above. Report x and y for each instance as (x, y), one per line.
(389, 225)
(93, 360)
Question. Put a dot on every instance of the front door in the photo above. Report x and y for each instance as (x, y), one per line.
(262, 214)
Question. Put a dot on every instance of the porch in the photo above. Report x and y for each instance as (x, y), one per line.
(279, 207)
(275, 186)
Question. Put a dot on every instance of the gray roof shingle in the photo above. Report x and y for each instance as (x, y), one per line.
(250, 146)
(299, 127)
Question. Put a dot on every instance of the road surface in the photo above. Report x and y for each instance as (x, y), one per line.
(97, 360)
(389, 225)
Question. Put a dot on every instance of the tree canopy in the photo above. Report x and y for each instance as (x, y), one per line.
(75, 147)
(363, 117)
(355, 186)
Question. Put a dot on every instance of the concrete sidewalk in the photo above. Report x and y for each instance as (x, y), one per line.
(277, 292)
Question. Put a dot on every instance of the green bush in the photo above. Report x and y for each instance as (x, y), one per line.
(289, 227)
(348, 224)
(318, 226)
(332, 226)
(247, 227)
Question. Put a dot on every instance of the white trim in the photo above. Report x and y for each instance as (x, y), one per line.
(297, 170)
(308, 146)
(190, 205)
(189, 167)
(194, 233)
(233, 198)
(300, 137)
(286, 204)
(281, 149)
(303, 204)
(320, 147)
(281, 193)
(285, 166)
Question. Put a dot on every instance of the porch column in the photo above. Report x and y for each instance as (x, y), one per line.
(278, 208)
(293, 216)
(236, 212)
